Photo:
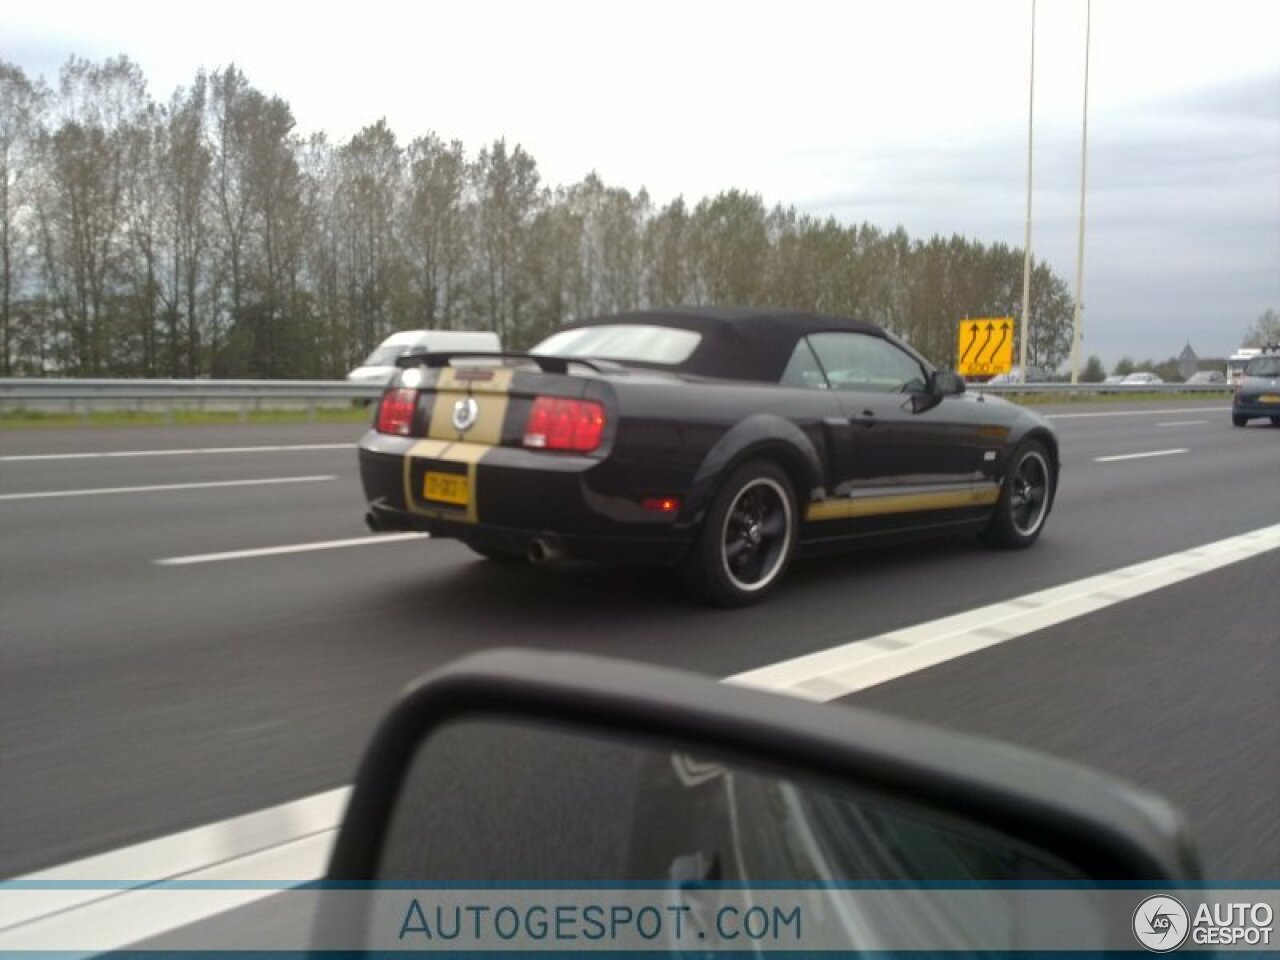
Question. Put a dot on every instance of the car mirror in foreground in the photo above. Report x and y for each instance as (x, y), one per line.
(586, 796)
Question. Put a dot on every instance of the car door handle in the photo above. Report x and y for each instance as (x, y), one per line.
(866, 419)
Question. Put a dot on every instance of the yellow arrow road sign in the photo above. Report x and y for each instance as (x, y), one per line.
(985, 347)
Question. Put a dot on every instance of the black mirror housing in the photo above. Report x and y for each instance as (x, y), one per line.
(1104, 829)
(948, 384)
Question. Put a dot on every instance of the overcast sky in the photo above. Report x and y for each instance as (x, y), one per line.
(909, 112)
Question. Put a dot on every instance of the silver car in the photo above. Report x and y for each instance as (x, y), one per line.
(1258, 392)
(1208, 378)
(1141, 377)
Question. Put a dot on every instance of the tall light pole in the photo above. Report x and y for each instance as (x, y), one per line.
(1076, 332)
(1026, 242)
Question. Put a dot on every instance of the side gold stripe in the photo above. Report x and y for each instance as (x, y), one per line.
(855, 507)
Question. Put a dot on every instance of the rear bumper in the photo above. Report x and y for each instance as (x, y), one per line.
(1255, 408)
(567, 503)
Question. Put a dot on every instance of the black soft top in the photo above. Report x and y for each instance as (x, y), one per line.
(737, 343)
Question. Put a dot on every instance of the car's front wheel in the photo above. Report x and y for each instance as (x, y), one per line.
(1024, 499)
(747, 538)
(1238, 420)
(1275, 421)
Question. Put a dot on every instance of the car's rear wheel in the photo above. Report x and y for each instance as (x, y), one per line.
(1275, 421)
(1024, 499)
(747, 538)
(1238, 420)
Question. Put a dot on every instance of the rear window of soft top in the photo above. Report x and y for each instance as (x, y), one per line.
(624, 342)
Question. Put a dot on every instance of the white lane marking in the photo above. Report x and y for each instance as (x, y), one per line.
(163, 487)
(295, 839)
(1141, 456)
(1133, 413)
(839, 671)
(28, 457)
(1182, 423)
(289, 548)
(116, 919)
(281, 842)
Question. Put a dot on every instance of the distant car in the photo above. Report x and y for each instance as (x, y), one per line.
(1207, 378)
(380, 366)
(1141, 377)
(1258, 392)
(1034, 375)
(717, 441)
(1114, 379)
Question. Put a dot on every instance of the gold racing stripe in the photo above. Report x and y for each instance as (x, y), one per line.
(446, 443)
(490, 396)
(850, 508)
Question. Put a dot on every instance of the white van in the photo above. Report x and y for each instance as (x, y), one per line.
(1238, 361)
(380, 365)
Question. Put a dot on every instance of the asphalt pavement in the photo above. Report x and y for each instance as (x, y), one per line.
(139, 696)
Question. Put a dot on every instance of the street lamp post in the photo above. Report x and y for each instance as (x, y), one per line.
(1076, 331)
(1026, 242)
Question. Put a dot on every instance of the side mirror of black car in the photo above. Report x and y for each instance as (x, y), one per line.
(948, 384)
(516, 771)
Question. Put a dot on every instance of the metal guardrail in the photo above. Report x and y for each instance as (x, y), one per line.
(84, 396)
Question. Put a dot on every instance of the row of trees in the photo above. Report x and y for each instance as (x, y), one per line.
(204, 236)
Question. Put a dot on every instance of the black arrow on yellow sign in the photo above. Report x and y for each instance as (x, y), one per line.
(1004, 335)
(973, 330)
(991, 329)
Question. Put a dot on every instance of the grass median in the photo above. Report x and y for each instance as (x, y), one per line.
(39, 419)
(1063, 399)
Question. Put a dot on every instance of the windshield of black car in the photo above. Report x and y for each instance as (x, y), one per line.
(1263, 367)
(635, 342)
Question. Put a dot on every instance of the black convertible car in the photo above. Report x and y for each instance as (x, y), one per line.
(719, 441)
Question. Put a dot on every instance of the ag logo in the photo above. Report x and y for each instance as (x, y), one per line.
(1161, 923)
(465, 414)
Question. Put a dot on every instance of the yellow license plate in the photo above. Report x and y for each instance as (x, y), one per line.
(1270, 398)
(446, 488)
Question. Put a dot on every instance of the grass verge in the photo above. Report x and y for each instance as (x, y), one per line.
(1064, 399)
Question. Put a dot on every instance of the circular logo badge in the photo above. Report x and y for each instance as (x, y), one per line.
(1161, 923)
(465, 414)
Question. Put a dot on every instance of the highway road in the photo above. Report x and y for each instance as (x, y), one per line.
(167, 665)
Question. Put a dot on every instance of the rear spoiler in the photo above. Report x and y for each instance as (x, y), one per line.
(545, 363)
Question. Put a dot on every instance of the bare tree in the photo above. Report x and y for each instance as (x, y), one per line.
(437, 230)
(668, 268)
(370, 187)
(185, 167)
(507, 188)
(22, 103)
(82, 205)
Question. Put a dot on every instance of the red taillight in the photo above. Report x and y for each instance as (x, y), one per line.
(395, 413)
(661, 504)
(559, 424)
